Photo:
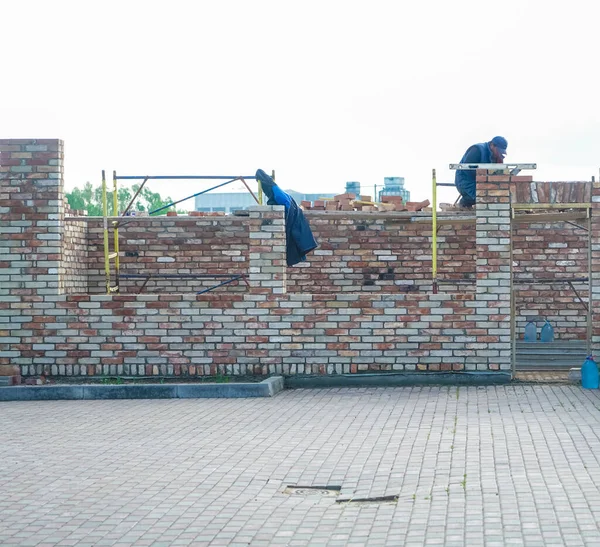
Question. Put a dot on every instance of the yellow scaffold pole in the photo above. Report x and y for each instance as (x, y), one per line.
(434, 232)
(116, 230)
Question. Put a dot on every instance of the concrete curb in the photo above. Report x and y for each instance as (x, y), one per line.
(266, 388)
(393, 379)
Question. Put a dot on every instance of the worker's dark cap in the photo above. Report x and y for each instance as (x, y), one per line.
(500, 143)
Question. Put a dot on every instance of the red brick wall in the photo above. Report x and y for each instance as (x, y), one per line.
(379, 253)
(75, 257)
(198, 245)
(249, 334)
(357, 253)
(546, 251)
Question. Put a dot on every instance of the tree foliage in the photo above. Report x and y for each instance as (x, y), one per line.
(89, 199)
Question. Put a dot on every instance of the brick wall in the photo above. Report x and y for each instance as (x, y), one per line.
(546, 251)
(31, 232)
(379, 252)
(358, 253)
(172, 245)
(251, 334)
(75, 257)
(262, 330)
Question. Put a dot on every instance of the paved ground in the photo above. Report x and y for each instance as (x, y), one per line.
(510, 465)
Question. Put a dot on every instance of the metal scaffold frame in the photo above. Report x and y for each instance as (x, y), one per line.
(120, 220)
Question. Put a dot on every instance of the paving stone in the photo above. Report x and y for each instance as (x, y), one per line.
(497, 465)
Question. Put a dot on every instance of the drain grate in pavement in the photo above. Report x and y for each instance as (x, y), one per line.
(296, 490)
(376, 499)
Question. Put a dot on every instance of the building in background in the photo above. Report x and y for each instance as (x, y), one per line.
(394, 186)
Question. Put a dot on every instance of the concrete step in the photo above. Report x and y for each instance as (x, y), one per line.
(557, 355)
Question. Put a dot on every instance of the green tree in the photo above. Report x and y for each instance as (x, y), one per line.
(89, 199)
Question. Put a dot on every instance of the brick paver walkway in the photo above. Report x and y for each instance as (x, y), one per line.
(510, 465)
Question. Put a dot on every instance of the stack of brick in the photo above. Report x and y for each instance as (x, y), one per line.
(350, 202)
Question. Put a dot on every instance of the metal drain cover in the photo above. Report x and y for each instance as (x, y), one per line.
(296, 490)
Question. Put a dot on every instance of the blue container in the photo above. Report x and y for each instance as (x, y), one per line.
(530, 332)
(547, 334)
(589, 374)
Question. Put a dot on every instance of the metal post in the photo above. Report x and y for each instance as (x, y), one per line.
(116, 230)
(105, 229)
(434, 232)
(590, 302)
(513, 306)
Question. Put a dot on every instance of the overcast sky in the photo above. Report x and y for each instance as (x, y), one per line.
(321, 91)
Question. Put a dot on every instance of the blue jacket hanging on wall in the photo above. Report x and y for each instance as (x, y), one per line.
(299, 237)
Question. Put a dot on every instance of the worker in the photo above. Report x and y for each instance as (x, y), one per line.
(465, 179)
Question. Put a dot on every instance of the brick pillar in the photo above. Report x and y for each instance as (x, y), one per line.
(595, 269)
(494, 271)
(268, 268)
(31, 222)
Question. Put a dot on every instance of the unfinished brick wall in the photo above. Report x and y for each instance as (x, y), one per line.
(171, 245)
(377, 252)
(557, 250)
(358, 253)
(262, 330)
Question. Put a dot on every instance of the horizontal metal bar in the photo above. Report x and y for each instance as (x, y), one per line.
(182, 177)
(549, 281)
(445, 184)
(112, 255)
(180, 276)
(494, 166)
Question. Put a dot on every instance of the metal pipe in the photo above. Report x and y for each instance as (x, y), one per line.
(220, 284)
(590, 300)
(183, 177)
(193, 196)
(179, 276)
(434, 231)
(132, 199)
(249, 190)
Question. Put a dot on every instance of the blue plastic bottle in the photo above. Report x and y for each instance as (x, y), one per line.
(547, 334)
(530, 332)
(589, 374)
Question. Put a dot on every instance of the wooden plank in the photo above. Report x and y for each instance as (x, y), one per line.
(549, 217)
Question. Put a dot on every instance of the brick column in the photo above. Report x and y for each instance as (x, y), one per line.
(595, 270)
(268, 268)
(31, 222)
(494, 271)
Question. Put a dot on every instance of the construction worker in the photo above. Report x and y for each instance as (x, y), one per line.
(465, 179)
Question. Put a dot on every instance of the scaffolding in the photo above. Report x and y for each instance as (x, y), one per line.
(120, 220)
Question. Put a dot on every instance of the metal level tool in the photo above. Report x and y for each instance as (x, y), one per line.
(512, 168)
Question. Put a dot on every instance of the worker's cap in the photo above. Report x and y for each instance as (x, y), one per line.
(501, 144)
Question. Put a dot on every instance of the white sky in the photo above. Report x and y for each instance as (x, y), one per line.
(321, 91)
